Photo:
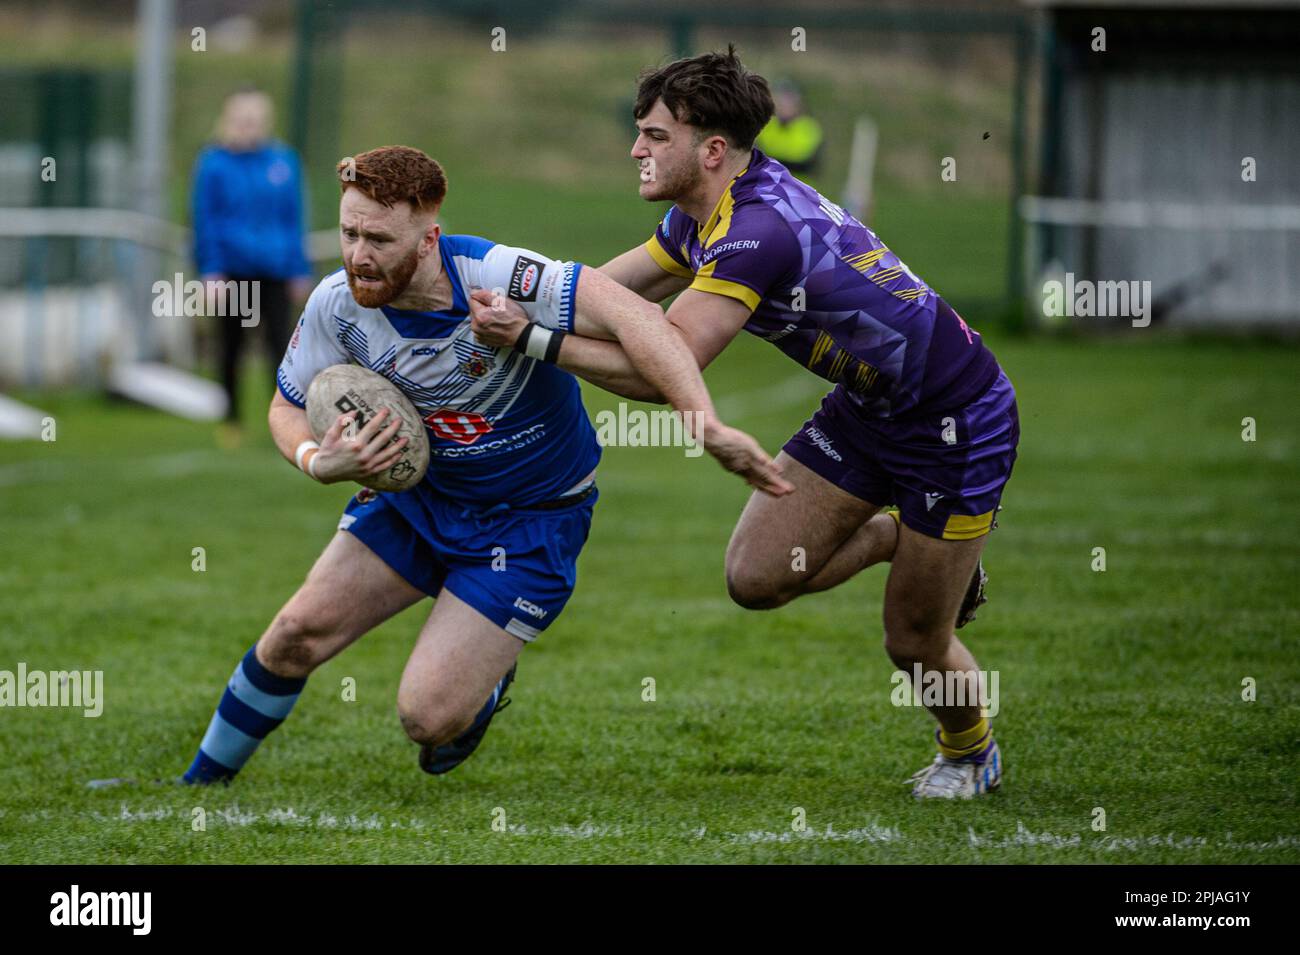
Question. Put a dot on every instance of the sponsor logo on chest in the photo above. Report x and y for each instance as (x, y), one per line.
(463, 427)
(703, 257)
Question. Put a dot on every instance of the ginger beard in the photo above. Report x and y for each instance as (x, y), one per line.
(389, 285)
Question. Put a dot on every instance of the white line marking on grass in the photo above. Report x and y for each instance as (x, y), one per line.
(1027, 837)
(586, 830)
(291, 817)
(1277, 842)
(872, 833)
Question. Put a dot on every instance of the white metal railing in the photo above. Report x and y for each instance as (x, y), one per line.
(129, 226)
(1043, 210)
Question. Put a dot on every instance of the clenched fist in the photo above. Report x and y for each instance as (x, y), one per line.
(495, 320)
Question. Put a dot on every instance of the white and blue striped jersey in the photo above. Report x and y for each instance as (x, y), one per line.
(503, 427)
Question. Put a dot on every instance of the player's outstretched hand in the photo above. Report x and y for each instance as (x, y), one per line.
(739, 453)
(347, 454)
(494, 319)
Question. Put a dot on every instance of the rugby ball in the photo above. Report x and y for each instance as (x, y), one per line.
(342, 388)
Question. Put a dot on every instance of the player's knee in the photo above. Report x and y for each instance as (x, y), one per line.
(294, 644)
(429, 723)
(754, 591)
(751, 583)
(909, 640)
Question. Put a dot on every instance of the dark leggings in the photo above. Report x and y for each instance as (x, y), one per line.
(273, 325)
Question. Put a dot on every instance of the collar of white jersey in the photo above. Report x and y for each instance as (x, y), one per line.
(406, 320)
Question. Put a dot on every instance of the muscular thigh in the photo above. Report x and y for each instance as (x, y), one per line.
(348, 592)
(458, 659)
(818, 517)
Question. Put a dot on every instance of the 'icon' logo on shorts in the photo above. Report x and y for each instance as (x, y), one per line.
(931, 500)
(530, 608)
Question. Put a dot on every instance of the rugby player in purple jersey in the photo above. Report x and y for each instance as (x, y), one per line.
(921, 416)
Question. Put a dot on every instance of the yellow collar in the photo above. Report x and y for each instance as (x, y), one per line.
(721, 211)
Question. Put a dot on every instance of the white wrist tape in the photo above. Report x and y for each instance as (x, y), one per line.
(535, 347)
(302, 450)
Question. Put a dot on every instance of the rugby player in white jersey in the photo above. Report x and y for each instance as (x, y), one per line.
(494, 530)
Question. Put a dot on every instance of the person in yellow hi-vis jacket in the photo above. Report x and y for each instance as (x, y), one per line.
(792, 137)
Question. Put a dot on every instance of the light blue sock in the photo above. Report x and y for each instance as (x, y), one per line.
(256, 701)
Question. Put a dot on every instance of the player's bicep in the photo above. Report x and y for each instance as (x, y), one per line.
(707, 322)
(312, 349)
(639, 270)
(285, 416)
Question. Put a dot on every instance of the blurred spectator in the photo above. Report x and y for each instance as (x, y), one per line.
(792, 137)
(248, 212)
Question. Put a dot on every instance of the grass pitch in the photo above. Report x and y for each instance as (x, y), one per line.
(1120, 690)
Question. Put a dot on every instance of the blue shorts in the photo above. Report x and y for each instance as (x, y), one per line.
(516, 567)
(944, 470)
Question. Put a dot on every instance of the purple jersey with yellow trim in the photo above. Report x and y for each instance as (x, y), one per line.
(827, 292)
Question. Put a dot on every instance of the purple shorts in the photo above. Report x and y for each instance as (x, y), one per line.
(945, 471)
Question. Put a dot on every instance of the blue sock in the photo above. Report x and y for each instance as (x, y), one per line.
(488, 708)
(256, 701)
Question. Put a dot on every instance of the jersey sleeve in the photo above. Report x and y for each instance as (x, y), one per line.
(545, 288)
(668, 244)
(755, 255)
(312, 349)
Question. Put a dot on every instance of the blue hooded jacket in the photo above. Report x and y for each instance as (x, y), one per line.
(248, 213)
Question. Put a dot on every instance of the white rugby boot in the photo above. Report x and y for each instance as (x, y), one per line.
(959, 778)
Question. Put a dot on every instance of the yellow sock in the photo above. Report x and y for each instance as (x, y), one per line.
(967, 742)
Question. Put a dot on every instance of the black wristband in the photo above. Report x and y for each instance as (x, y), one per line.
(522, 341)
(553, 346)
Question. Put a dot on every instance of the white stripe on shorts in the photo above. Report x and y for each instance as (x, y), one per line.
(521, 630)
